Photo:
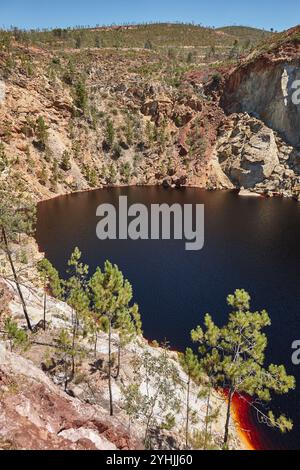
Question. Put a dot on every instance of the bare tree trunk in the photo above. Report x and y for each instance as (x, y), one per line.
(45, 309)
(119, 361)
(146, 442)
(16, 279)
(187, 413)
(66, 376)
(75, 326)
(226, 435)
(73, 365)
(149, 418)
(111, 409)
(206, 419)
(95, 345)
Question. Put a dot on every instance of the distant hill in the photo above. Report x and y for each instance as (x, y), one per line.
(159, 35)
(245, 33)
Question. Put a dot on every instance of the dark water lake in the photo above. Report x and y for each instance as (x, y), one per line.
(250, 243)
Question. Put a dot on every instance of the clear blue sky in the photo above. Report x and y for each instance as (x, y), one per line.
(51, 13)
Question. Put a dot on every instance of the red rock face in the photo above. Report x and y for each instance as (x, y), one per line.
(36, 416)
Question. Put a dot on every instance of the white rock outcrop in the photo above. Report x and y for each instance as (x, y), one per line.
(247, 151)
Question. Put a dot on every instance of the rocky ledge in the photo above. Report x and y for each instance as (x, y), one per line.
(249, 155)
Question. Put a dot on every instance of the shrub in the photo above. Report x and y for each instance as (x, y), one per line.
(148, 44)
(81, 96)
(109, 133)
(41, 132)
(16, 336)
(43, 176)
(3, 158)
(117, 151)
(126, 171)
(65, 161)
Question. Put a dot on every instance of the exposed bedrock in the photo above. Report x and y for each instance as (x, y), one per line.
(269, 91)
(247, 151)
(250, 155)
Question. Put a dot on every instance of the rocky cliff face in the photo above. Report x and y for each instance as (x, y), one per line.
(126, 118)
(266, 87)
(258, 143)
(265, 90)
(36, 415)
(105, 122)
(250, 155)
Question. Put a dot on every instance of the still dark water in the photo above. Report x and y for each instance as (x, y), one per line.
(249, 243)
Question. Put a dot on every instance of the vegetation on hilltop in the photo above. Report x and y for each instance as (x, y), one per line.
(279, 44)
(245, 33)
(148, 36)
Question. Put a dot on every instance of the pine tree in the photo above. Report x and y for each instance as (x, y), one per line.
(112, 174)
(77, 297)
(148, 44)
(51, 279)
(211, 413)
(234, 356)
(81, 96)
(3, 158)
(158, 405)
(17, 216)
(129, 131)
(52, 283)
(78, 42)
(150, 133)
(190, 57)
(111, 295)
(74, 291)
(133, 402)
(66, 354)
(65, 161)
(189, 362)
(16, 336)
(128, 324)
(110, 133)
(98, 42)
(41, 132)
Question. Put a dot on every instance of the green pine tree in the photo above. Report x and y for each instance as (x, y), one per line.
(16, 336)
(41, 132)
(51, 282)
(51, 279)
(3, 158)
(17, 216)
(190, 364)
(77, 297)
(81, 96)
(153, 397)
(110, 133)
(65, 161)
(235, 355)
(129, 325)
(111, 295)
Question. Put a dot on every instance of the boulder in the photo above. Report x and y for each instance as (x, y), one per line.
(247, 152)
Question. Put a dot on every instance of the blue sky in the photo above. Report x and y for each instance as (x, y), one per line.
(44, 13)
